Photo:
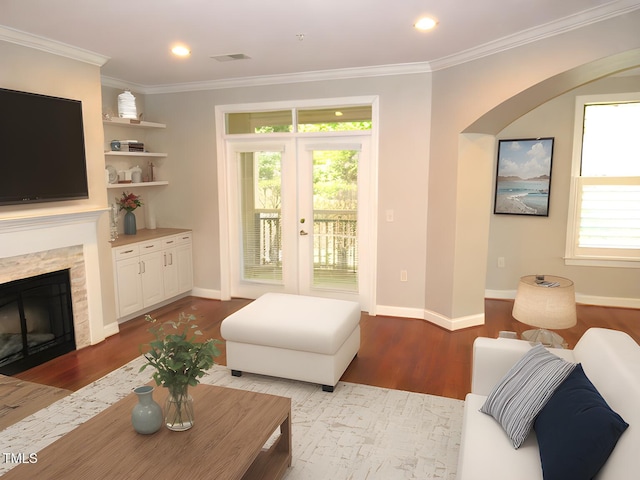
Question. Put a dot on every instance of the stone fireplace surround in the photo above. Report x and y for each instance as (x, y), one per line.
(35, 245)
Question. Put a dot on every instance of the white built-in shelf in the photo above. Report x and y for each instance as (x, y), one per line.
(143, 184)
(131, 122)
(134, 154)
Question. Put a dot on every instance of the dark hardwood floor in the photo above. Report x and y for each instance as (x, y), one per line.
(399, 353)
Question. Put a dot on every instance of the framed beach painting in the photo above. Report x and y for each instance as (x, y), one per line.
(523, 177)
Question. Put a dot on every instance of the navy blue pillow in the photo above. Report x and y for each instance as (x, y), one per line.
(576, 430)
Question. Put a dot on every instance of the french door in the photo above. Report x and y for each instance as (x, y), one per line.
(299, 217)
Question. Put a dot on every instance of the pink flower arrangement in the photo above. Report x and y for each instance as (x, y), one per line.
(129, 202)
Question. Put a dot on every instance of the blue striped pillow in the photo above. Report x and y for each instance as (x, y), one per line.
(518, 398)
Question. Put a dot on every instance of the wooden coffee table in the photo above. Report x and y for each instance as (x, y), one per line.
(226, 442)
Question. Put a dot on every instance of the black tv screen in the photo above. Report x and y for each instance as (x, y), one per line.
(42, 155)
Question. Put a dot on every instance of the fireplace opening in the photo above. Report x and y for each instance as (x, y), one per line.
(36, 321)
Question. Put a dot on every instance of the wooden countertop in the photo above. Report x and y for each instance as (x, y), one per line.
(145, 234)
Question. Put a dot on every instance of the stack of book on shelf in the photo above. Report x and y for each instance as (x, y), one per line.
(131, 146)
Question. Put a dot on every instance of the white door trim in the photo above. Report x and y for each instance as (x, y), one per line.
(225, 190)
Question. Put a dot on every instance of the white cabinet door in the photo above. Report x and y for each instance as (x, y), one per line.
(152, 278)
(128, 286)
(148, 273)
(170, 272)
(184, 260)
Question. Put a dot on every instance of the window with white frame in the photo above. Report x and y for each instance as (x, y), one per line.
(604, 216)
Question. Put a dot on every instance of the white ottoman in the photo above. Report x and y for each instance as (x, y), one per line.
(293, 336)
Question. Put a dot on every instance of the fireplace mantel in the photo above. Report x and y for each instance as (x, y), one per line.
(30, 222)
(31, 241)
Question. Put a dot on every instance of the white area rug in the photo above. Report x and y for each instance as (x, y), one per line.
(357, 432)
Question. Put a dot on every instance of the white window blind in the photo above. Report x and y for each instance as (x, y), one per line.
(605, 223)
(609, 215)
(261, 215)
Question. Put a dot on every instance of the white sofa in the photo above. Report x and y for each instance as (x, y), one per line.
(611, 361)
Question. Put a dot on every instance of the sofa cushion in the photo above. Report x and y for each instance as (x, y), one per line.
(576, 430)
(486, 453)
(518, 398)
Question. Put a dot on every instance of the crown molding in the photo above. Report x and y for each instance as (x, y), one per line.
(551, 29)
(117, 83)
(50, 46)
(317, 76)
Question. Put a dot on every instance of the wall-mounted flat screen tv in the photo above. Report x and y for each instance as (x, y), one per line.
(42, 154)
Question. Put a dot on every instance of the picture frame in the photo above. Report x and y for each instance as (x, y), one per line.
(523, 176)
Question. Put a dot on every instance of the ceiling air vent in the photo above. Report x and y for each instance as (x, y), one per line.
(231, 57)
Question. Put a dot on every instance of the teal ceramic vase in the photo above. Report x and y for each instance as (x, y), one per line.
(129, 223)
(146, 416)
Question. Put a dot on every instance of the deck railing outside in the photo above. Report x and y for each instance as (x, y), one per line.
(335, 245)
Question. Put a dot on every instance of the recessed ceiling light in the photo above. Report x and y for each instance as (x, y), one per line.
(181, 51)
(425, 23)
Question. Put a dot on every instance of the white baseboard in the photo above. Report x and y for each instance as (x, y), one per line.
(403, 312)
(432, 317)
(500, 294)
(111, 329)
(453, 324)
(580, 298)
(608, 301)
(206, 293)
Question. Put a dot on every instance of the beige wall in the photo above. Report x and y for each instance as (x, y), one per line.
(39, 72)
(457, 249)
(536, 244)
(35, 71)
(437, 179)
(191, 201)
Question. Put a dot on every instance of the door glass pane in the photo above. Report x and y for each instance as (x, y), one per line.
(260, 122)
(261, 222)
(338, 119)
(335, 208)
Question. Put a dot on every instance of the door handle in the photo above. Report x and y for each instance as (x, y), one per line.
(303, 233)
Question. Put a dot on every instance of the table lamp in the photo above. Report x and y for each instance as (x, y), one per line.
(546, 302)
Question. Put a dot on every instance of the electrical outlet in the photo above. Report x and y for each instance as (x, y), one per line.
(389, 215)
(403, 275)
(501, 262)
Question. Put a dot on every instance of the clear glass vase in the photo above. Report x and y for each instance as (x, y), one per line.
(178, 409)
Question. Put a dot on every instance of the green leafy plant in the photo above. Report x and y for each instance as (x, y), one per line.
(178, 359)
